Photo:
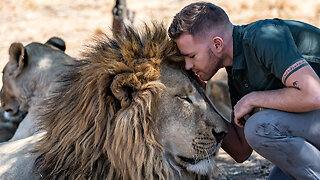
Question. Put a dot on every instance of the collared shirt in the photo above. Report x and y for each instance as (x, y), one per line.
(264, 50)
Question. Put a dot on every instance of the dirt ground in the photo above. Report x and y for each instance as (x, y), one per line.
(77, 20)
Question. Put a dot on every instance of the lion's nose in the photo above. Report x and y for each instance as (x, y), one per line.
(219, 136)
(10, 111)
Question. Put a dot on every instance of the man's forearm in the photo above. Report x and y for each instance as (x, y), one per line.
(286, 99)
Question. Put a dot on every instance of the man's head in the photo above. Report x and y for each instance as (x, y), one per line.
(198, 19)
(202, 31)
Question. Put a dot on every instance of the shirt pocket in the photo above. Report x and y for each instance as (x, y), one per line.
(241, 84)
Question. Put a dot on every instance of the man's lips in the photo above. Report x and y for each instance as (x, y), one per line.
(198, 75)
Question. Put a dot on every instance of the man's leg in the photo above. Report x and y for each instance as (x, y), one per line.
(277, 174)
(289, 140)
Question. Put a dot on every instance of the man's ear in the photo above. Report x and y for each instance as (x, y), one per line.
(217, 44)
(18, 56)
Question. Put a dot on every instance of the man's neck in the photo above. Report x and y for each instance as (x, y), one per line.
(228, 59)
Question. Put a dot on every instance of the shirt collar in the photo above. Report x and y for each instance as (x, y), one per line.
(238, 56)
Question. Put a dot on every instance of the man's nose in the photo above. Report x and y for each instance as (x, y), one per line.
(188, 64)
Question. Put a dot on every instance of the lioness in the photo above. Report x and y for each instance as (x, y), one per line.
(28, 77)
(127, 110)
(8, 125)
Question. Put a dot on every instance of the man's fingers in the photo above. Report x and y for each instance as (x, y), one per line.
(234, 119)
(246, 117)
(238, 122)
(241, 121)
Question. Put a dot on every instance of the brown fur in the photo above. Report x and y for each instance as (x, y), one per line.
(218, 92)
(96, 104)
(7, 126)
(100, 124)
(28, 77)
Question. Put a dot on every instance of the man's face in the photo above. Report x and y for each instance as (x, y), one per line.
(198, 56)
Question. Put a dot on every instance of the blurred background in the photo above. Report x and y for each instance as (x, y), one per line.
(76, 21)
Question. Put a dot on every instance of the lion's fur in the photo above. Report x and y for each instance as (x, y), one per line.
(218, 92)
(28, 77)
(7, 130)
(100, 123)
(8, 126)
(125, 111)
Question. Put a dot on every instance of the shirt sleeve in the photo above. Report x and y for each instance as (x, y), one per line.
(275, 48)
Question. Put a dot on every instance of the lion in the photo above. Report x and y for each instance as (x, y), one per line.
(8, 125)
(28, 77)
(126, 110)
(218, 92)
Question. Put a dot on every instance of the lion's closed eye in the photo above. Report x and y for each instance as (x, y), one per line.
(184, 97)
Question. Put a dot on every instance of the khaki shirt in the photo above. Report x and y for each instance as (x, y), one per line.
(264, 50)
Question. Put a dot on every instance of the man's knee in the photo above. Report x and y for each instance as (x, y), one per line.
(258, 128)
(250, 131)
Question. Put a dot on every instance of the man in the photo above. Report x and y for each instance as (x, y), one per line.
(272, 64)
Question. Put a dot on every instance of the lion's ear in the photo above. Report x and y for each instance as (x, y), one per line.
(56, 42)
(122, 87)
(18, 56)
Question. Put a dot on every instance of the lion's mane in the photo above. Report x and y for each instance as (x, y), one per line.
(99, 122)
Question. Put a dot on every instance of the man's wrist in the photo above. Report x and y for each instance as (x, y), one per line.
(253, 99)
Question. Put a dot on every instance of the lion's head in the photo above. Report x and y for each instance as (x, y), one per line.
(30, 74)
(128, 110)
(25, 71)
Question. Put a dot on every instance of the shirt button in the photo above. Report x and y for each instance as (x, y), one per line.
(246, 85)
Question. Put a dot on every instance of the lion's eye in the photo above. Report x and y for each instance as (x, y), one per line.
(186, 98)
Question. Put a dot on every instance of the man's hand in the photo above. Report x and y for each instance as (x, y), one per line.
(242, 109)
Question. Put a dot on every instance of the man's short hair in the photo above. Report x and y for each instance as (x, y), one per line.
(197, 18)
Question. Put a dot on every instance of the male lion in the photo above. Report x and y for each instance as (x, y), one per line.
(28, 77)
(126, 111)
(218, 92)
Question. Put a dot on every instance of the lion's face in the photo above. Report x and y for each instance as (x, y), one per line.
(128, 111)
(25, 76)
(189, 130)
(12, 101)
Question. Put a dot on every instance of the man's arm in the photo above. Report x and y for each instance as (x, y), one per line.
(302, 94)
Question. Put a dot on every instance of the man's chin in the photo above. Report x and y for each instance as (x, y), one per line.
(203, 78)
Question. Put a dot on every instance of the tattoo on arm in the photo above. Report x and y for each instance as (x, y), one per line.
(295, 84)
(293, 68)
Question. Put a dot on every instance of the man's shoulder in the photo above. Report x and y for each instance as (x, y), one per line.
(266, 22)
(298, 27)
(266, 30)
(263, 26)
